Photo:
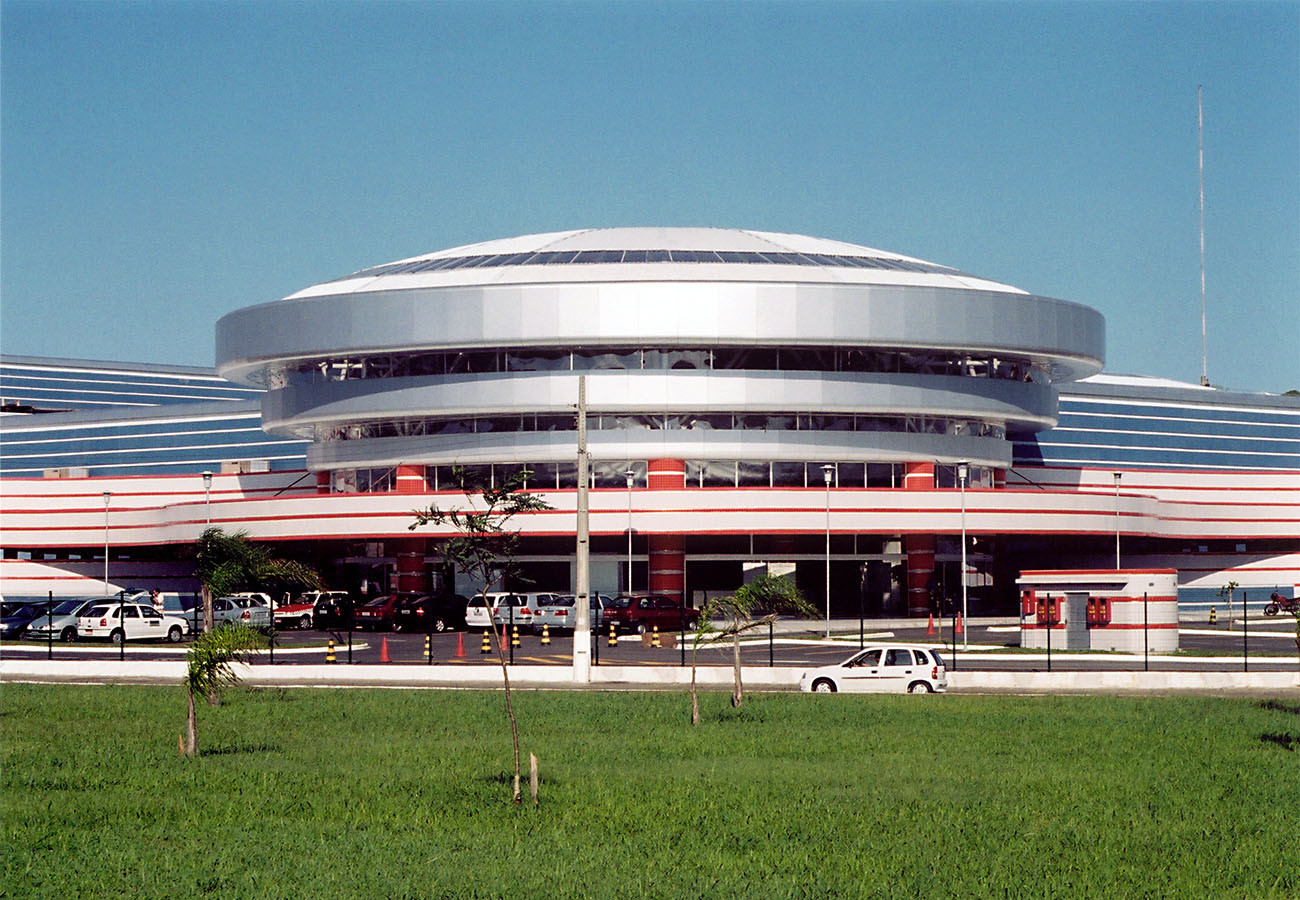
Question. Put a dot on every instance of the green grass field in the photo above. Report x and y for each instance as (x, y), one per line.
(379, 794)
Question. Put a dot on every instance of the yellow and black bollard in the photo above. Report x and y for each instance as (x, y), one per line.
(1213, 618)
(514, 636)
(654, 637)
(329, 654)
(428, 647)
(613, 635)
(546, 635)
(487, 643)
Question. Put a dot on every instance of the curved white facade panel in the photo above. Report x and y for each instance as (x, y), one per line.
(688, 338)
(1066, 338)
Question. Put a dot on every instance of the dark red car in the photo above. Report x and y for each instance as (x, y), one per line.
(378, 614)
(641, 612)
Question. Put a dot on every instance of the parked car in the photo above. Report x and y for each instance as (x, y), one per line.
(16, 617)
(642, 612)
(301, 613)
(882, 668)
(248, 609)
(378, 614)
(61, 622)
(559, 611)
(334, 609)
(129, 621)
(434, 612)
(506, 608)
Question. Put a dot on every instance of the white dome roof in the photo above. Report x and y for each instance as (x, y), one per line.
(735, 239)
(654, 255)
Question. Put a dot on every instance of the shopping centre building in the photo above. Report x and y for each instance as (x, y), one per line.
(754, 402)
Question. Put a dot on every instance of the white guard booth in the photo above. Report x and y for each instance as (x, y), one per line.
(1103, 609)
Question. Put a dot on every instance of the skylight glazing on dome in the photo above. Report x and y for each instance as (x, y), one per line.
(586, 257)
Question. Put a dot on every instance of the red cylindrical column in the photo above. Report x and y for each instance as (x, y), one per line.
(667, 551)
(666, 474)
(667, 564)
(409, 479)
(919, 547)
(920, 572)
(410, 564)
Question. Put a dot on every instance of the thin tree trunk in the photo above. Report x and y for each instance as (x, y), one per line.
(206, 595)
(695, 694)
(737, 693)
(518, 796)
(191, 725)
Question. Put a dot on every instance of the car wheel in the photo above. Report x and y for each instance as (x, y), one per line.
(116, 637)
(823, 686)
(439, 625)
(305, 623)
(174, 634)
(68, 635)
(918, 687)
(639, 628)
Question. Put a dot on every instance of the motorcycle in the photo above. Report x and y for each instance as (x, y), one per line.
(1277, 603)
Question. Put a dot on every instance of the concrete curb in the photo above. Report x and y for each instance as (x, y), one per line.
(646, 677)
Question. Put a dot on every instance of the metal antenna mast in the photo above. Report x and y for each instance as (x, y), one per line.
(1200, 173)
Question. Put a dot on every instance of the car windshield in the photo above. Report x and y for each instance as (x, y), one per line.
(67, 606)
(97, 611)
(619, 603)
(20, 610)
(938, 660)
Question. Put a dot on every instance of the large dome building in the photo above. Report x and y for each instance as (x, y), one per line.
(715, 358)
(754, 401)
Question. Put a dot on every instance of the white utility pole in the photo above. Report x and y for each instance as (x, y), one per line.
(582, 622)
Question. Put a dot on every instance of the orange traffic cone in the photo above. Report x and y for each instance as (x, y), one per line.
(460, 645)
(929, 629)
(960, 629)
(383, 652)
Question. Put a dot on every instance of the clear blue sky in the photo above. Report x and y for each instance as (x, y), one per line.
(164, 163)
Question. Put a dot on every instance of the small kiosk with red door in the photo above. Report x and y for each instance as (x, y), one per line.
(1128, 610)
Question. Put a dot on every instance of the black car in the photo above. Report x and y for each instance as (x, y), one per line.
(333, 612)
(15, 617)
(430, 613)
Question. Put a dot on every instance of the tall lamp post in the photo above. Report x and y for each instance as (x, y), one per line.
(631, 474)
(207, 498)
(108, 495)
(1117, 477)
(963, 471)
(827, 471)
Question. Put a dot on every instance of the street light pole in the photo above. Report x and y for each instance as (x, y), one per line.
(827, 471)
(108, 495)
(207, 498)
(631, 474)
(1117, 477)
(963, 471)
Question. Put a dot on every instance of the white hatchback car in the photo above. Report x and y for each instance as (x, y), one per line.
(132, 621)
(883, 668)
(506, 608)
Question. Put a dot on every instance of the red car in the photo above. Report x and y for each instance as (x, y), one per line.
(378, 614)
(641, 612)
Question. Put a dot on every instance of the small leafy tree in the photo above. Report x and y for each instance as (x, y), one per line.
(226, 562)
(484, 548)
(1227, 591)
(754, 605)
(209, 669)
